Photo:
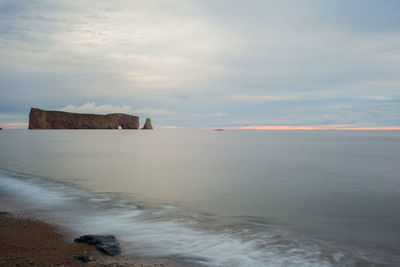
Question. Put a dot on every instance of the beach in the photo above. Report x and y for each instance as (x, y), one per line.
(25, 241)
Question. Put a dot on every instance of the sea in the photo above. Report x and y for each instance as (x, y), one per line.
(215, 198)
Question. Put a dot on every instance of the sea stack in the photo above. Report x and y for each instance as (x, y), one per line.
(42, 119)
(147, 125)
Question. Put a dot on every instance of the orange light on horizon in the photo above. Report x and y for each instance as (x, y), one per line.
(276, 127)
(14, 125)
(169, 127)
(339, 127)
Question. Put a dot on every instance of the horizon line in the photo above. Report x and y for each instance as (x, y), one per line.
(336, 127)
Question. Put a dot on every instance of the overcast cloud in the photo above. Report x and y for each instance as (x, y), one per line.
(204, 63)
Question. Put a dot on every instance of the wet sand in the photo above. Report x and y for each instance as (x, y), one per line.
(29, 242)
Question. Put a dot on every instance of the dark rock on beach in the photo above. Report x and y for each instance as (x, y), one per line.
(107, 244)
(4, 213)
(147, 125)
(81, 257)
(42, 119)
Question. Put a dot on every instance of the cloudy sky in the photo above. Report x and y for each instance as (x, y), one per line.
(205, 63)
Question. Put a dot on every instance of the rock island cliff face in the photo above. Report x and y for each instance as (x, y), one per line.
(42, 119)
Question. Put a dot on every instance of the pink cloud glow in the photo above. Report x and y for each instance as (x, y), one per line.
(14, 125)
(169, 127)
(340, 127)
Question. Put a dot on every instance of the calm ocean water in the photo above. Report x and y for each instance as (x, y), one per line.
(232, 198)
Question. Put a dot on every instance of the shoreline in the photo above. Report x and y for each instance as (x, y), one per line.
(26, 241)
(25, 229)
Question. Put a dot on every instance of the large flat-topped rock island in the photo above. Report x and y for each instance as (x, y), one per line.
(42, 119)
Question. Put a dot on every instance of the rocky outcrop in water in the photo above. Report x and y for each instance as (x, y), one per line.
(107, 244)
(147, 125)
(42, 119)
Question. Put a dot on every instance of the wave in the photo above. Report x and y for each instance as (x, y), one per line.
(168, 231)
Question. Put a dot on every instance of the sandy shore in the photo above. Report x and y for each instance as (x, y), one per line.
(29, 242)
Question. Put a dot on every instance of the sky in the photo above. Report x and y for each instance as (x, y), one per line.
(301, 64)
